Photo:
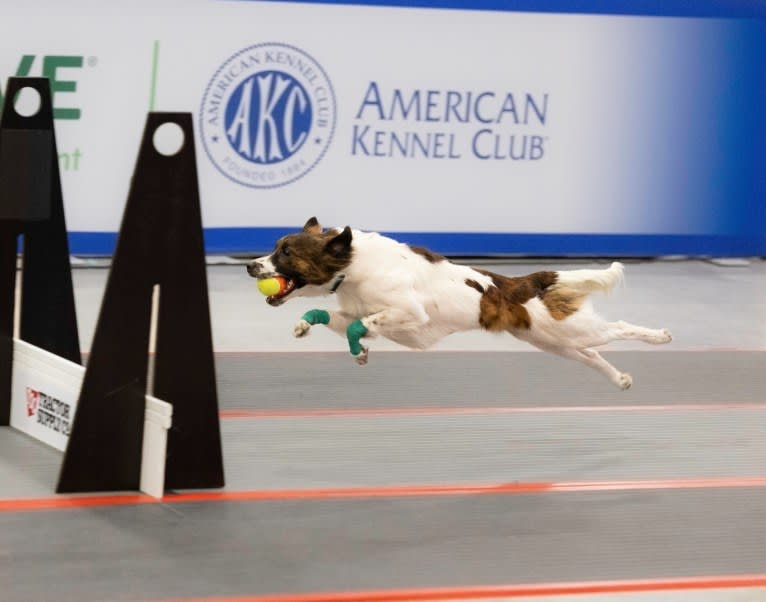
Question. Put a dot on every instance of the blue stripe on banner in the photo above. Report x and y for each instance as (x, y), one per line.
(664, 8)
(256, 241)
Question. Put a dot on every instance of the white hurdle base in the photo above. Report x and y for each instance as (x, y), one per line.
(157, 421)
(44, 393)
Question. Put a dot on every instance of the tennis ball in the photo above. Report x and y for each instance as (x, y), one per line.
(271, 286)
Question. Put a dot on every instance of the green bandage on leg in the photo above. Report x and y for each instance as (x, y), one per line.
(355, 331)
(316, 316)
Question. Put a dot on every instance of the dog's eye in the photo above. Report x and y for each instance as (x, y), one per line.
(286, 250)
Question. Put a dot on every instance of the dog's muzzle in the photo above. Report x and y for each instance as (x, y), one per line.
(254, 269)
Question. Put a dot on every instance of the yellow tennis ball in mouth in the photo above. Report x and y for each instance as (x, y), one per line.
(271, 286)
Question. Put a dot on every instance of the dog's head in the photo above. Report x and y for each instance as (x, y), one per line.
(312, 261)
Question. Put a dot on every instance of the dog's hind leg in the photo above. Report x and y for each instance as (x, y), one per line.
(592, 358)
(623, 331)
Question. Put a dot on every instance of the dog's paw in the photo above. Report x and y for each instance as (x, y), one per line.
(361, 358)
(301, 329)
(624, 381)
(659, 337)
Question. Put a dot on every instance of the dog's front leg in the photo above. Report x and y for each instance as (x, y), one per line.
(337, 321)
(409, 317)
(386, 323)
(354, 333)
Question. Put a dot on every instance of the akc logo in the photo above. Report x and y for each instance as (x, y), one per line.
(267, 115)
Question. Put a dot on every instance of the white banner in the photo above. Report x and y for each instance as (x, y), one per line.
(410, 120)
(44, 393)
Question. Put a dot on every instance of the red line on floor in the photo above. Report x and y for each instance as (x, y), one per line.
(392, 491)
(508, 591)
(63, 502)
(478, 411)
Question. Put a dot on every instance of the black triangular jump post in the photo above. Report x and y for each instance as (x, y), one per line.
(160, 243)
(31, 205)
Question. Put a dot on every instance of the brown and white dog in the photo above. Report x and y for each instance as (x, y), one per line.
(415, 297)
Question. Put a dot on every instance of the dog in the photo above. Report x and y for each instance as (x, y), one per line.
(415, 297)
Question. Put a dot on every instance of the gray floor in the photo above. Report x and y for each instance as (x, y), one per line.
(695, 415)
(234, 549)
(295, 419)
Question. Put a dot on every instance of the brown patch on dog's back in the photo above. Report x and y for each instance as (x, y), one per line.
(520, 289)
(475, 285)
(502, 306)
(562, 302)
(498, 314)
(430, 256)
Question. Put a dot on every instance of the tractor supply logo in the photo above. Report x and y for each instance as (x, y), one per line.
(50, 412)
(268, 115)
(33, 399)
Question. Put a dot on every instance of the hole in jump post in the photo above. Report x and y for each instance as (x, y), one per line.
(27, 102)
(168, 139)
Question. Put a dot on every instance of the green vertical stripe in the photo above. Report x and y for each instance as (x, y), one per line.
(153, 87)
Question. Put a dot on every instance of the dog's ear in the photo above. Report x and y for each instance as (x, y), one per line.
(340, 244)
(312, 226)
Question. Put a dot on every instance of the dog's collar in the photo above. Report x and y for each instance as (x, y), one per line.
(337, 282)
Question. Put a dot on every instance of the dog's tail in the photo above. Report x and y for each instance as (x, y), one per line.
(587, 281)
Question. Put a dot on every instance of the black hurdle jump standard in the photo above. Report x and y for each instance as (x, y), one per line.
(31, 205)
(160, 243)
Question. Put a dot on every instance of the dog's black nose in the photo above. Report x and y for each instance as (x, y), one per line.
(252, 268)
